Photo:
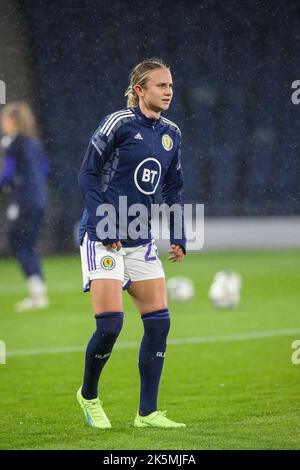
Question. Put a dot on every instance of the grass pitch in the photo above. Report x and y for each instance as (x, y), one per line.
(229, 376)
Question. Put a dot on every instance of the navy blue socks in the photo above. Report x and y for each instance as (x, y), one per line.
(109, 325)
(151, 354)
(151, 357)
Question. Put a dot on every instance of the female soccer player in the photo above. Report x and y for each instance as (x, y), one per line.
(131, 153)
(23, 179)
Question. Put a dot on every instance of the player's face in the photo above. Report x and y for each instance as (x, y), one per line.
(158, 90)
(8, 125)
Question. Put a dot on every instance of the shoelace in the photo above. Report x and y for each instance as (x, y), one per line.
(162, 414)
(94, 408)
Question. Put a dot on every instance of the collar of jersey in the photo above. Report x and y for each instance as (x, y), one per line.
(144, 119)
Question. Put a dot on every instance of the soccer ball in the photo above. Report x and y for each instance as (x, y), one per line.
(225, 289)
(180, 289)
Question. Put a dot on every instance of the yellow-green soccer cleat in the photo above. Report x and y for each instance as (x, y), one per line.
(93, 412)
(157, 419)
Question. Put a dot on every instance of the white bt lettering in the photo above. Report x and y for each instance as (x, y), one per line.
(147, 175)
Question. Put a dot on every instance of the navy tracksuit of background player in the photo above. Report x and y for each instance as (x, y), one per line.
(23, 179)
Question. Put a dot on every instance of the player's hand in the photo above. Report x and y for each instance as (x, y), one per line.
(114, 246)
(177, 254)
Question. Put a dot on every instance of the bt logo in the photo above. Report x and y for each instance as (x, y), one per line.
(147, 175)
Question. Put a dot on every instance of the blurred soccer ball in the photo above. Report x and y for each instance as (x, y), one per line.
(225, 289)
(180, 289)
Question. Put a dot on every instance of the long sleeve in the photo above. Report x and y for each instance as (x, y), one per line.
(92, 172)
(171, 192)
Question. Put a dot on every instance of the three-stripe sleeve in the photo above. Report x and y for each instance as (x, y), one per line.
(97, 153)
(100, 148)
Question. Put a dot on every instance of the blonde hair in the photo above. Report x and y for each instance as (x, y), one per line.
(23, 118)
(139, 76)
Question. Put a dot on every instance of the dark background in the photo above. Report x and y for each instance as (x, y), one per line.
(232, 63)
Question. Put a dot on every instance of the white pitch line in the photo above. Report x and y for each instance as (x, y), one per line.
(179, 341)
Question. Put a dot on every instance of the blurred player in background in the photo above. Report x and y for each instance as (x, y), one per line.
(23, 181)
(132, 152)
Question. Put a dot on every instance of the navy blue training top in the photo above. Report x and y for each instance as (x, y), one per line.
(131, 155)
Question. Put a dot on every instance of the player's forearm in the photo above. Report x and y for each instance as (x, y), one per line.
(92, 194)
(177, 227)
(173, 198)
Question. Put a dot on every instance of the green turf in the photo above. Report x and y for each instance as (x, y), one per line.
(231, 394)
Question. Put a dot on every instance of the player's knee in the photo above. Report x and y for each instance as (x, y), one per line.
(109, 324)
(159, 301)
(160, 304)
(157, 323)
